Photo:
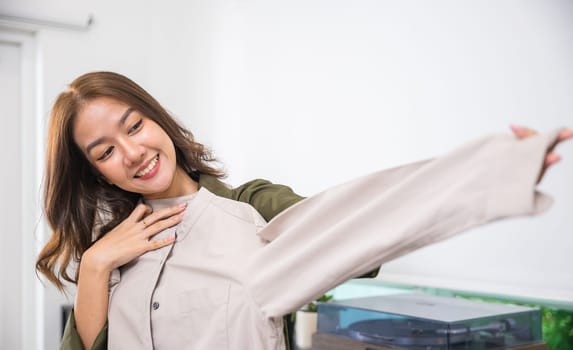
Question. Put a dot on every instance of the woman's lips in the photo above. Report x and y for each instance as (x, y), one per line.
(149, 170)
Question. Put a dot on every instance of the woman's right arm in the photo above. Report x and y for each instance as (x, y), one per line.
(90, 310)
(124, 243)
(377, 218)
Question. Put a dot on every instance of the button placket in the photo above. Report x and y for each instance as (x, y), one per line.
(155, 304)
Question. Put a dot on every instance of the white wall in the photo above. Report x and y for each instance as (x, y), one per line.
(314, 93)
(11, 206)
(20, 212)
(311, 93)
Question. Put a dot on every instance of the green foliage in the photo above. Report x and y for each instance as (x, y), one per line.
(313, 306)
(557, 329)
(556, 325)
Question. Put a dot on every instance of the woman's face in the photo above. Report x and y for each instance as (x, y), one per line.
(130, 150)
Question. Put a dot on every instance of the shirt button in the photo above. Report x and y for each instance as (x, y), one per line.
(155, 305)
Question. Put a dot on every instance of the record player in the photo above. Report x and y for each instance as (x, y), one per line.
(425, 322)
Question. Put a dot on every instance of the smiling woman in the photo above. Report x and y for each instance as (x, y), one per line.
(169, 261)
(107, 140)
(129, 150)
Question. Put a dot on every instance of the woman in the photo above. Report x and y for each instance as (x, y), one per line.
(72, 198)
(206, 276)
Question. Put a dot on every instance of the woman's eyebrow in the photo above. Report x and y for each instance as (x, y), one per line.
(125, 115)
(121, 122)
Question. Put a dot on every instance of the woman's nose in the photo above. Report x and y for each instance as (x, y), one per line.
(134, 153)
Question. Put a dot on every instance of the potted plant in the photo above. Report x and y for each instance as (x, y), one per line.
(306, 322)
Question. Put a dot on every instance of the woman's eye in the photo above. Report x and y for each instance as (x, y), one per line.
(106, 153)
(135, 127)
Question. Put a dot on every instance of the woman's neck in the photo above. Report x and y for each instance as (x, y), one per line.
(181, 185)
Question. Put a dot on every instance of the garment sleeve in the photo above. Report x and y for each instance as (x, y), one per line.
(267, 198)
(347, 230)
(71, 339)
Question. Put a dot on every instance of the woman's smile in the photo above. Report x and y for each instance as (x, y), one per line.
(149, 169)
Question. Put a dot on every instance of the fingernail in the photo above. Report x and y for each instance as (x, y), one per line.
(516, 127)
(183, 205)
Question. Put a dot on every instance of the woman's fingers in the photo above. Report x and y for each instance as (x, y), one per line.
(131, 238)
(144, 214)
(522, 132)
(159, 243)
(157, 222)
(140, 211)
(565, 134)
(551, 158)
(164, 218)
(161, 225)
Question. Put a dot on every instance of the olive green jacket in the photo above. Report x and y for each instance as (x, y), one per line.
(267, 198)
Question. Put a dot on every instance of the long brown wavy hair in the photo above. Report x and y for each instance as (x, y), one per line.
(79, 205)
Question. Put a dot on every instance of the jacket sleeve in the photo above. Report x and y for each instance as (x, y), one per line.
(71, 339)
(351, 228)
(267, 198)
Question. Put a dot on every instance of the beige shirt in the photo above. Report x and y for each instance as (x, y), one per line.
(228, 278)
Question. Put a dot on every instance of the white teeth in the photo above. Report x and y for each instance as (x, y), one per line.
(148, 168)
